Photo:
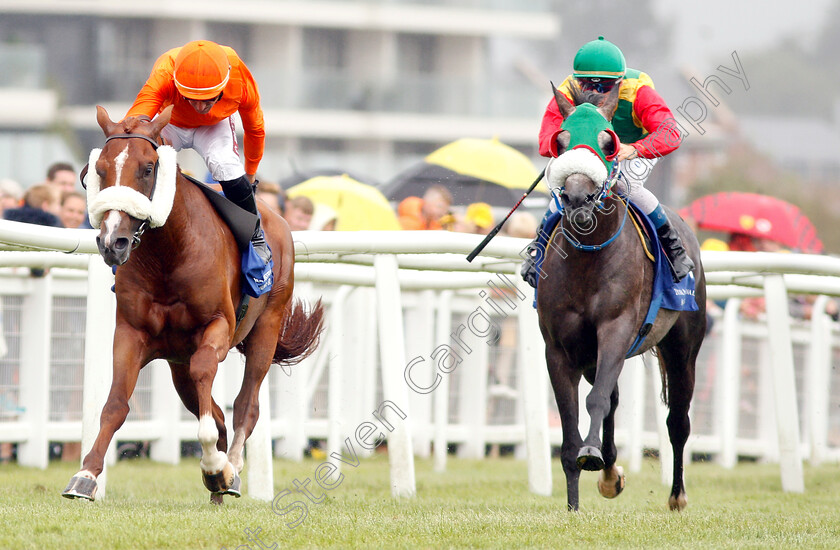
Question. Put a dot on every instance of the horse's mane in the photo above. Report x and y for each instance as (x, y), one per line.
(581, 96)
(131, 123)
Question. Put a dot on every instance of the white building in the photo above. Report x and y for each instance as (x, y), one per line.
(364, 86)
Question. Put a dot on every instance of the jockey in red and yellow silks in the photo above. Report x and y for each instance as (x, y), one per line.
(646, 129)
(206, 83)
(642, 118)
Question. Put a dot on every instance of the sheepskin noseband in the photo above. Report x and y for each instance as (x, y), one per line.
(577, 161)
(128, 200)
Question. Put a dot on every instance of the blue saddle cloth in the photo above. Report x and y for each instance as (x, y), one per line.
(257, 276)
(666, 294)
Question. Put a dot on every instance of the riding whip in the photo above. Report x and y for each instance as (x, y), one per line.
(471, 256)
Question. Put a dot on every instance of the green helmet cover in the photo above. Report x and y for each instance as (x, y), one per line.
(599, 59)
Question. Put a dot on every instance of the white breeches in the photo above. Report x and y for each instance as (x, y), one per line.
(634, 174)
(216, 144)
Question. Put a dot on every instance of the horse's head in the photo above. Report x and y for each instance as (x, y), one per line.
(130, 182)
(586, 146)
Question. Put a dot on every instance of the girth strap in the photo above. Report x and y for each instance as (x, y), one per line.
(242, 308)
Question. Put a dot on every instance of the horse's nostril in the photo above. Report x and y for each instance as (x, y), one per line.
(121, 244)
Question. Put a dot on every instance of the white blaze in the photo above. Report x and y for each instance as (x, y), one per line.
(119, 162)
(112, 222)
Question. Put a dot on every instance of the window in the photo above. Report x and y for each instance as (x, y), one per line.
(416, 53)
(123, 59)
(324, 49)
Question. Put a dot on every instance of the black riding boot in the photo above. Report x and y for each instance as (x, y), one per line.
(681, 264)
(529, 266)
(241, 193)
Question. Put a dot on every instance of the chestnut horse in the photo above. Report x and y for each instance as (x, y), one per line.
(594, 298)
(177, 292)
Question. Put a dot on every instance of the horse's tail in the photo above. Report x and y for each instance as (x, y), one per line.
(300, 334)
(663, 373)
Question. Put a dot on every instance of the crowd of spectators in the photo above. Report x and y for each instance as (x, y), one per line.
(433, 210)
(58, 201)
(55, 202)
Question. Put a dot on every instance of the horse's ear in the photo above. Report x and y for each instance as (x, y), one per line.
(610, 104)
(104, 120)
(161, 120)
(565, 106)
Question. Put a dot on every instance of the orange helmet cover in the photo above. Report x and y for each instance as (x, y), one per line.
(202, 70)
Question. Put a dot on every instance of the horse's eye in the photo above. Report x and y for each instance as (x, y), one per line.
(149, 169)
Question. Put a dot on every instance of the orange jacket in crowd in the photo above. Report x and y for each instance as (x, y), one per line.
(410, 212)
(240, 94)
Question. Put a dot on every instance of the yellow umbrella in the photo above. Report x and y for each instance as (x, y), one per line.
(358, 206)
(488, 160)
(474, 170)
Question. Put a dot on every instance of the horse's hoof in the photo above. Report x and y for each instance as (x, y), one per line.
(233, 490)
(80, 486)
(221, 481)
(590, 459)
(612, 485)
(678, 503)
(235, 487)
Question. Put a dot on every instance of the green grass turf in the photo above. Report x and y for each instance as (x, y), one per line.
(474, 504)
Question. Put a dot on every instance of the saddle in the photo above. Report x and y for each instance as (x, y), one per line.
(257, 276)
(241, 222)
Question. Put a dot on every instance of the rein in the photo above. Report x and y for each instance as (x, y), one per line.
(135, 238)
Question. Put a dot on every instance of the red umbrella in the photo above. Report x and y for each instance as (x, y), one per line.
(755, 215)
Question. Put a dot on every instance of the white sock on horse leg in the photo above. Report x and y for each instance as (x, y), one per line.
(212, 459)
